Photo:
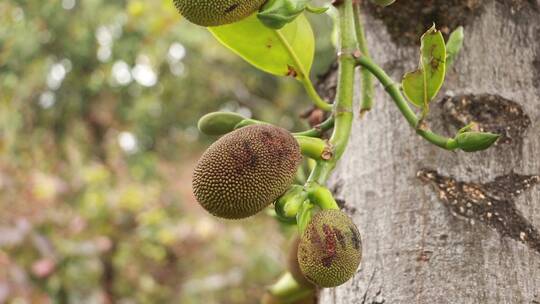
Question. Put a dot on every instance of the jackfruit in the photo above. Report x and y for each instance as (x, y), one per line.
(330, 249)
(216, 12)
(246, 170)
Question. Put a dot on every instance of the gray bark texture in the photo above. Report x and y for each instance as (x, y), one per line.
(439, 226)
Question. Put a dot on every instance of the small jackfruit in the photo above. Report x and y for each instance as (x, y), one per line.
(217, 12)
(330, 249)
(246, 170)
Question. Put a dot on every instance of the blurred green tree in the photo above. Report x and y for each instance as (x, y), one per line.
(98, 107)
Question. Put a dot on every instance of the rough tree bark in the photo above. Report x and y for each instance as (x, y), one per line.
(439, 226)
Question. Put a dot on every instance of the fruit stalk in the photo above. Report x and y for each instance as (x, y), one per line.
(342, 109)
(342, 120)
(318, 130)
(314, 148)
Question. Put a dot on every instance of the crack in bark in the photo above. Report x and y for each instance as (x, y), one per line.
(379, 299)
(492, 204)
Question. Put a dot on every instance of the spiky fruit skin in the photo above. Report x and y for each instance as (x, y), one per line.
(216, 12)
(330, 249)
(294, 266)
(246, 170)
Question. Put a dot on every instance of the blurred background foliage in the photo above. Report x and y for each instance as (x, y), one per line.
(98, 106)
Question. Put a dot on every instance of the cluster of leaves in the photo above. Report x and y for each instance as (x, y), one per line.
(98, 101)
(422, 85)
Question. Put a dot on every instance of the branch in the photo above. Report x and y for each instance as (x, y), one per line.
(393, 90)
(367, 78)
(345, 90)
(318, 130)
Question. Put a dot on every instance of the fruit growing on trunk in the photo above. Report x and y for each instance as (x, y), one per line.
(330, 249)
(246, 170)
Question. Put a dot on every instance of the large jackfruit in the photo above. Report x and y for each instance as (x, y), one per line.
(330, 249)
(217, 12)
(246, 170)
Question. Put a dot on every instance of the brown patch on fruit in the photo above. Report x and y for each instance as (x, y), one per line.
(231, 8)
(331, 244)
(340, 237)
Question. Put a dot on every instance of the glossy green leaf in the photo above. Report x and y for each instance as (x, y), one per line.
(422, 85)
(262, 47)
(454, 45)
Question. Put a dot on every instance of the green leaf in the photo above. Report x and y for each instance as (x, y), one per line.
(277, 13)
(454, 45)
(422, 85)
(262, 47)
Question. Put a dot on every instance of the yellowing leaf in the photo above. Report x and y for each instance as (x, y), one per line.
(422, 85)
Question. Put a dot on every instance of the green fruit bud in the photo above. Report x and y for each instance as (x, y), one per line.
(330, 249)
(322, 197)
(219, 123)
(288, 204)
(383, 2)
(475, 141)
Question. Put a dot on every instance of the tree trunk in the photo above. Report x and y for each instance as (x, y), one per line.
(439, 226)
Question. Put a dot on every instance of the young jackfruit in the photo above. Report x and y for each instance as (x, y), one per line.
(216, 12)
(330, 249)
(246, 170)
